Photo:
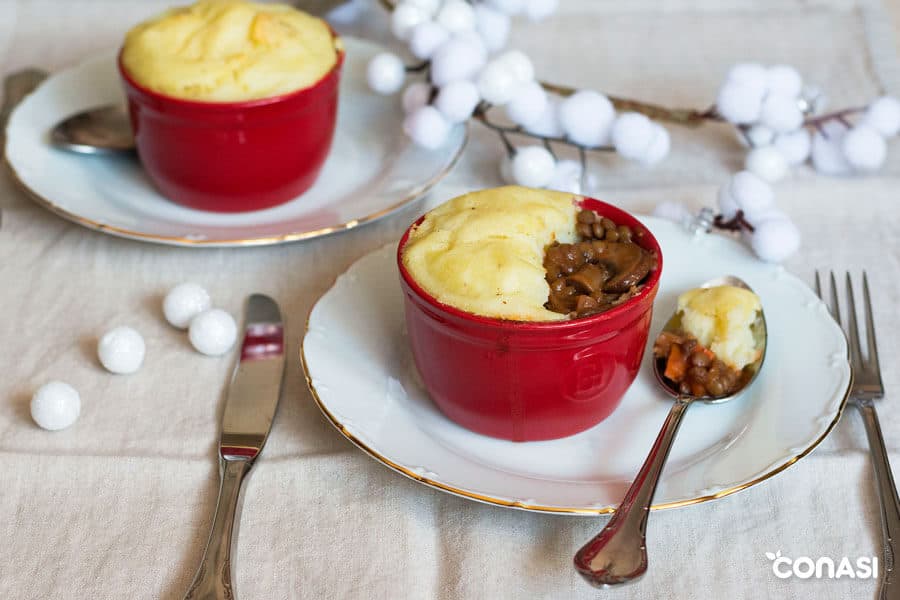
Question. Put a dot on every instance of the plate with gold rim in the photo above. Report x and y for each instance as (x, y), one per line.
(361, 374)
(372, 170)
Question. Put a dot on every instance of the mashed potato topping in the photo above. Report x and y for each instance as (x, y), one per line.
(483, 252)
(720, 319)
(230, 51)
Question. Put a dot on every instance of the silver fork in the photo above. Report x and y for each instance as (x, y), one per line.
(866, 388)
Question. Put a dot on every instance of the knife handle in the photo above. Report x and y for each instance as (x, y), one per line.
(213, 579)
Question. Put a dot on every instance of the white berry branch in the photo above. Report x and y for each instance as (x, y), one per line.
(469, 75)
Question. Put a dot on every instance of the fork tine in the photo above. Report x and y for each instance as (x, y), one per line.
(835, 307)
(818, 286)
(853, 328)
(870, 325)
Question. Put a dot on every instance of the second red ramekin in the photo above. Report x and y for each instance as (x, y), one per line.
(234, 156)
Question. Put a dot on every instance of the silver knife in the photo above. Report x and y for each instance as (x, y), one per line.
(249, 409)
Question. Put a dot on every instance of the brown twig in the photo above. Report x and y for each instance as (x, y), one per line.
(687, 117)
(480, 115)
(838, 115)
(736, 223)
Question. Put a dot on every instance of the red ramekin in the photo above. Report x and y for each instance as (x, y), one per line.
(234, 156)
(529, 381)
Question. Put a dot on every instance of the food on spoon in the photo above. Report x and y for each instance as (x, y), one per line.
(715, 347)
(230, 51)
(525, 254)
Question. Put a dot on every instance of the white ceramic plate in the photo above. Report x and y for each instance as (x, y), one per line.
(372, 170)
(360, 371)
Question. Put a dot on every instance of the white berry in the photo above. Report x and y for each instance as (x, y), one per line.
(586, 118)
(767, 162)
(864, 148)
(520, 65)
(827, 154)
(510, 7)
(673, 211)
(404, 19)
(533, 166)
(386, 73)
(461, 57)
(457, 100)
(740, 103)
(427, 127)
(794, 146)
(775, 238)
(547, 123)
(493, 26)
(184, 302)
(781, 113)
(659, 147)
(426, 38)
(55, 405)
(415, 96)
(567, 177)
(537, 10)
(784, 80)
(631, 135)
(496, 83)
(759, 135)
(751, 74)
(456, 16)
(121, 350)
(751, 194)
(528, 104)
(884, 116)
(213, 332)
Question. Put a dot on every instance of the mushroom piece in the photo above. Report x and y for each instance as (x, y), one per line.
(589, 279)
(628, 262)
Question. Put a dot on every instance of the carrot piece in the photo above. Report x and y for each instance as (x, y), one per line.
(676, 364)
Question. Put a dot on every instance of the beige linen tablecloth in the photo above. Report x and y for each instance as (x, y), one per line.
(118, 506)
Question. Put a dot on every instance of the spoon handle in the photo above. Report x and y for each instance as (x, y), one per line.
(618, 554)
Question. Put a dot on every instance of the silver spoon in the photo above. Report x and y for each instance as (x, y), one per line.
(618, 554)
(102, 130)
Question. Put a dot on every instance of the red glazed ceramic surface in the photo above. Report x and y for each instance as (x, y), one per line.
(529, 381)
(234, 157)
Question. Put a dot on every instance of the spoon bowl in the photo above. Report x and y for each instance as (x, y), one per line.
(618, 554)
(102, 130)
(759, 335)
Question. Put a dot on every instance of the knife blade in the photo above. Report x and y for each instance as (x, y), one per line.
(250, 405)
(252, 397)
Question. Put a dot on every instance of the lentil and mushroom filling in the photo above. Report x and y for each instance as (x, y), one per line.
(694, 369)
(606, 268)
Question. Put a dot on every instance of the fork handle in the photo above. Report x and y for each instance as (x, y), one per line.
(887, 498)
(213, 580)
